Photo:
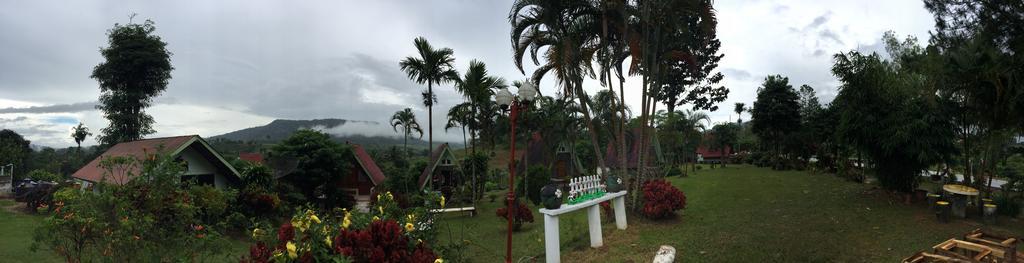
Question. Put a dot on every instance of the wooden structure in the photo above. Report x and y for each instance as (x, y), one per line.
(976, 246)
(202, 163)
(362, 179)
(440, 173)
(559, 157)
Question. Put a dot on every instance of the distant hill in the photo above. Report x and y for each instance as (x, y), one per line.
(341, 130)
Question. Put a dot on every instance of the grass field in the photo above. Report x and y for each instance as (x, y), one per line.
(740, 214)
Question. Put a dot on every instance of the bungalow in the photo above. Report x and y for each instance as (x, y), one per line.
(560, 159)
(203, 164)
(708, 154)
(363, 179)
(440, 173)
(653, 158)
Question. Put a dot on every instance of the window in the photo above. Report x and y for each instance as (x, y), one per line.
(446, 161)
(200, 179)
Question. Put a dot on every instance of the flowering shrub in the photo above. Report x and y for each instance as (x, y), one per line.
(661, 199)
(151, 218)
(385, 234)
(521, 213)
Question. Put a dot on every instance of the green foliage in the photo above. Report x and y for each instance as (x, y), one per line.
(322, 163)
(15, 150)
(776, 113)
(136, 68)
(407, 120)
(150, 218)
(1007, 205)
(79, 133)
(888, 112)
(474, 166)
(529, 185)
(41, 175)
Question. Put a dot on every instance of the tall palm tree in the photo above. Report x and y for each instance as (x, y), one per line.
(739, 109)
(477, 87)
(407, 120)
(433, 66)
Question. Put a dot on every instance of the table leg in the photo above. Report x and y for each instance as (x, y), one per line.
(594, 218)
(620, 212)
(552, 253)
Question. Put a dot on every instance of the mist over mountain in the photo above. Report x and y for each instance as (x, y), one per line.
(368, 133)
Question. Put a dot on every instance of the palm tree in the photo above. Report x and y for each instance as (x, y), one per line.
(477, 87)
(460, 115)
(739, 109)
(433, 66)
(79, 133)
(564, 33)
(407, 120)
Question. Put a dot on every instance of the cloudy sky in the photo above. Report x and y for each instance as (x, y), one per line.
(244, 63)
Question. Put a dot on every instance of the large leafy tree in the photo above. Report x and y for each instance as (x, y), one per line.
(407, 120)
(725, 135)
(136, 68)
(776, 113)
(322, 164)
(432, 67)
(889, 112)
(982, 45)
(15, 150)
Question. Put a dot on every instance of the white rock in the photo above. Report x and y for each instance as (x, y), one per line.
(666, 254)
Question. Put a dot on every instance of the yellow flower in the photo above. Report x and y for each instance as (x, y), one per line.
(315, 219)
(419, 241)
(277, 254)
(256, 233)
(442, 201)
(409, 227)
(381, 209)
(346, 222)
(375, 218)
(291, 250)
(439, 260)
(327, 240)
(390, 197)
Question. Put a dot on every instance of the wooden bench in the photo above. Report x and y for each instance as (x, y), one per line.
(551, 243)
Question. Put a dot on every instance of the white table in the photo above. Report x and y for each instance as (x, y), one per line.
(551, 243)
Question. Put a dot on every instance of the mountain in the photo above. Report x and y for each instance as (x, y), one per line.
(361, 132)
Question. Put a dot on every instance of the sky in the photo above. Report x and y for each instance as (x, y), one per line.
(244, 63)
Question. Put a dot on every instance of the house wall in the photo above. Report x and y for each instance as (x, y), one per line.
(197, 164)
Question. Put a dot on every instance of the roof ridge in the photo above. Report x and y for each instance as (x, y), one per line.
(163, 138)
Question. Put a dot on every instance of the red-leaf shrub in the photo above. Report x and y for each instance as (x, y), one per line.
(382, 241)
(522, 214)
(661, 199)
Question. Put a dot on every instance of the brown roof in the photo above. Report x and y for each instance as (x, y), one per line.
(368, 165)
(251, 157)
(140, 150)
(434, 161)
(633, 149)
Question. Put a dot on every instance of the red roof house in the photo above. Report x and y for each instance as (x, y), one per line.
(251, 157)
(365, 174)
(202, 162)
(440, 171)
(705, 151)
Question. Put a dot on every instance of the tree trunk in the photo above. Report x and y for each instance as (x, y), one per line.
(584, 101)
(430, 119)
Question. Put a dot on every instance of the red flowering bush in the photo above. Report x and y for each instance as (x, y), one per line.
(521, 213)
(377, 236)
(661, 199)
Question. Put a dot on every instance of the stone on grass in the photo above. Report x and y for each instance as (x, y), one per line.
(666, 254)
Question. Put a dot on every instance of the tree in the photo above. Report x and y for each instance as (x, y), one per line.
(809, 104)
(322, 164)
(433, 66)
(407, 120)
(15, 150)
(478, 88)
(79, 133)
(889, 111)
(739, 109)
(136, 68)
(776, 112)
(725, 135)
(460, 115)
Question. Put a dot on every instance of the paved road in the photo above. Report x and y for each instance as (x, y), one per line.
(996, 182)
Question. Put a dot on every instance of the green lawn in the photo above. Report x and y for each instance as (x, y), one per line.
(740, 214)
